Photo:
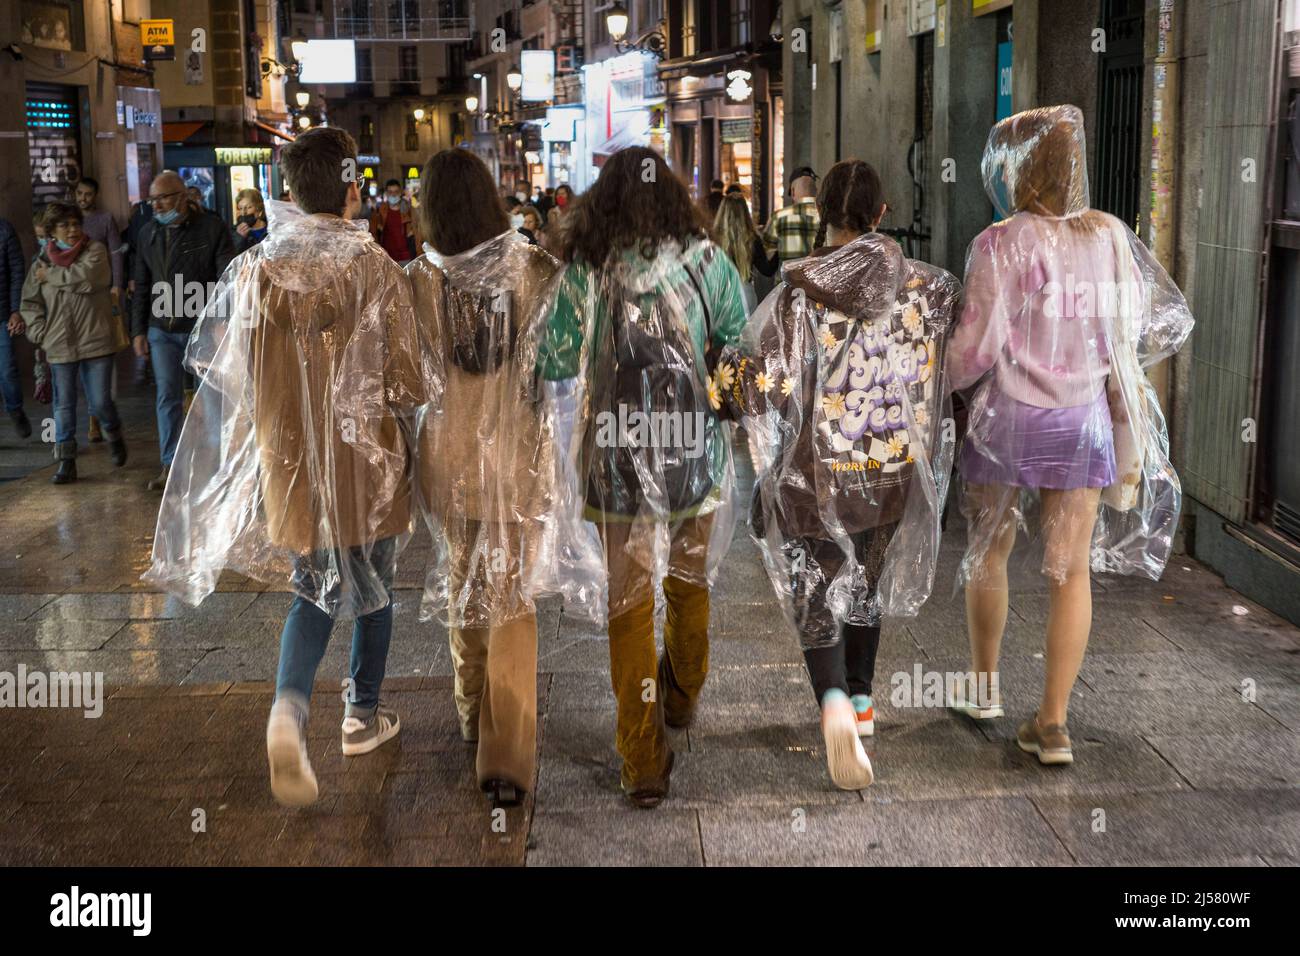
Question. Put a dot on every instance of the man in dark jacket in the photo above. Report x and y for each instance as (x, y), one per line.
(12, 269)
(182, 246)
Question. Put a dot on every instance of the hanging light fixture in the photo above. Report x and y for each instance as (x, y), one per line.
(303, 98)
(471, 103)
(304, 121)
(616, 21)
(298, 45)
(418, 113)
(515, 78)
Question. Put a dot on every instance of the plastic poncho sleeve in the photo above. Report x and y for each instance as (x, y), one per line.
(987, 306)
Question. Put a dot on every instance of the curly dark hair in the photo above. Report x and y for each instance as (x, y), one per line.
(852, 197)
(637, 202)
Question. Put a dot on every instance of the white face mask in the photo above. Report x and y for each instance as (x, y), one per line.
(516, 221)
(521, 196)
(393, 200)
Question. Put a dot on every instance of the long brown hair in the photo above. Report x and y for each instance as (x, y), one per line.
(459, 206)
(851, 197)
(637, 202)
(733, 230)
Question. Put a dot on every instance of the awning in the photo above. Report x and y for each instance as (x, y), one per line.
(180, 132)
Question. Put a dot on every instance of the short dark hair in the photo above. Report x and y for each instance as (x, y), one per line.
(717, 184)
(313, 166)
(90, 181)
(393, 182)
(459, 206)
(57, 213)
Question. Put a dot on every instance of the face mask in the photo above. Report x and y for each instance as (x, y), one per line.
(516, 222)
(562, 200)
(393, 200)
(248, 220)
(166, 218)
(63, 245)
(521, 196)
(42, 241)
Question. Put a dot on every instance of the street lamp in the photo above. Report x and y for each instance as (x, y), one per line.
(304, 121)
(298, 45)
(515, 78)
(303, 98)
(616, 20)
(471, 103)
(418, 113)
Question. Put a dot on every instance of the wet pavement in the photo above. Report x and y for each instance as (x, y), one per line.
(1185, 724)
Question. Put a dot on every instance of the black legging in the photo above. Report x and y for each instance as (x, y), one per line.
(849, 664)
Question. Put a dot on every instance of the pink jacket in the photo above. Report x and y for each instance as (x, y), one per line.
(1039, 292)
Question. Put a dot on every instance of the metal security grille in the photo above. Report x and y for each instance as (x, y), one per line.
(1119, 111)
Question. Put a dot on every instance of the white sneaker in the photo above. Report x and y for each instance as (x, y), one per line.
(293, 782)
(957, 702)
(848, 763)
(364, 734)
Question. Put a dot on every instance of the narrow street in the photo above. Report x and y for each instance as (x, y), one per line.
(1178, 768)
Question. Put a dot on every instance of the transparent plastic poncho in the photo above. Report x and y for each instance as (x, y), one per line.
(1064, 309)
(294, 466)
(649, 463)
(488, 468)
(839, 385)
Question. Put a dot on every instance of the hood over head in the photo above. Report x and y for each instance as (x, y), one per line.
(304, 252)
(1035, 161)
(860, 279)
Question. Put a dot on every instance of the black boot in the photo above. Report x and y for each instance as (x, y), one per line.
(116, 446)
(21, 424)
(66, 453)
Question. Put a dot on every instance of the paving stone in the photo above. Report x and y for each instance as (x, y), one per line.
(18, 607)
(101, 607)
(1000, 832)
(1239, 762)
(626, 836)
(53, 634)
(1164, 828)
(118, 667)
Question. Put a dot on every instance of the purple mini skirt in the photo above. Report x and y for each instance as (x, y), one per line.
(1012, 443)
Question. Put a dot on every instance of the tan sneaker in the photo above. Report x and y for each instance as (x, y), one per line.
(1050, 743)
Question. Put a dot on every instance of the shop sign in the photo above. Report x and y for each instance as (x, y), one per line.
(738, 87)
(737, 130)
(158, 40)
(243, 155)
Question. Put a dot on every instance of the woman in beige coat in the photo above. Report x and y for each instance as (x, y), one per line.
(68, 312)
(485, 459)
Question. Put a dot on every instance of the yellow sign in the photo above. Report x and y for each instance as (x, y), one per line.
(158, 39)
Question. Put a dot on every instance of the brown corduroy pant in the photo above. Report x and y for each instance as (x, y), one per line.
(646, 689)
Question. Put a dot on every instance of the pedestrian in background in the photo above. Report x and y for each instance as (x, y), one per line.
(98, 224)
(250, 226)
(392, 224)
(644, 299)
(531, 226)
(181, 245)
(68, 312)
(792, 230)
(486, 461)
(11, 297)
(734, 231)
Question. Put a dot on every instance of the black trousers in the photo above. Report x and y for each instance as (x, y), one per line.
(849, 665)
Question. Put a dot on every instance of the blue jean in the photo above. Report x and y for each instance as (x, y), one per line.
(307, 631)
(167, 352)
(10, 384)
(97, 381)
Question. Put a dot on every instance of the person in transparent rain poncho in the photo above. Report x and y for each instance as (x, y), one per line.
(293, 466)
(838, 384)
(642, 302)
(487, 459)
(1064, 308)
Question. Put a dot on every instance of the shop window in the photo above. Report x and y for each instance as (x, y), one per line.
(366, 137)
(412, 134)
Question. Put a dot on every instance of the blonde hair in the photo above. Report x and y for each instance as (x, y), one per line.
(255, 197)
(733, 230)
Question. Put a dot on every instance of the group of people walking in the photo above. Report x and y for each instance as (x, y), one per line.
(565, 424)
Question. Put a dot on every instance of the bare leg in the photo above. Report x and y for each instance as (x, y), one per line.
(992, 522)
(1068, 520)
